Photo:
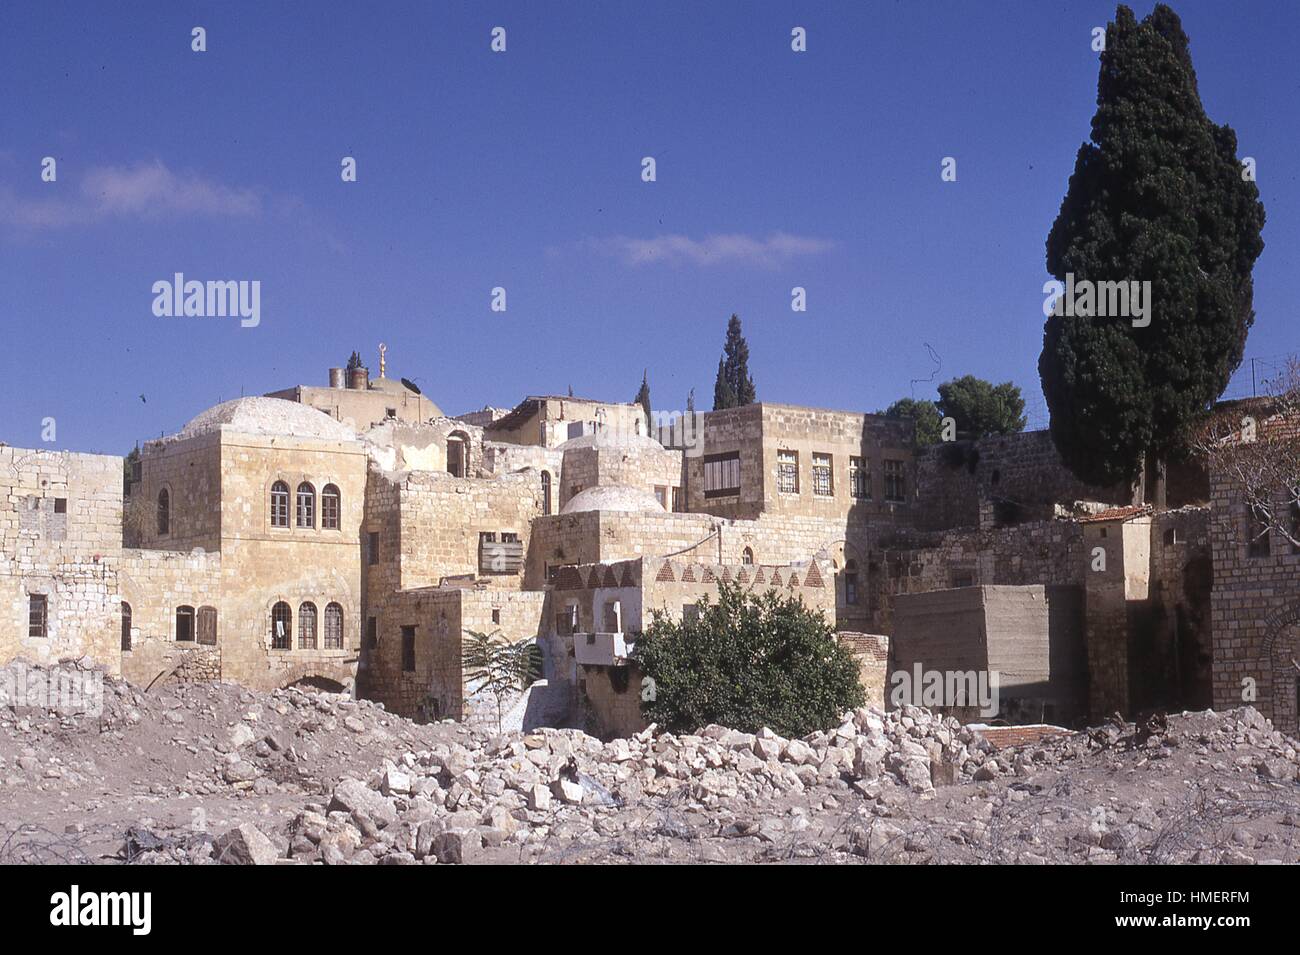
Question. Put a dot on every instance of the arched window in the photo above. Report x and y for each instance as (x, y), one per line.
(333, 626)
(279, 504)
(126, 625)
(306, 512)
(208, 626)
(546, 492)
(457, 453)
(164, 512)
(185, 624)
(331, 507)
(281, 623)
(747, 556)
(307, 626)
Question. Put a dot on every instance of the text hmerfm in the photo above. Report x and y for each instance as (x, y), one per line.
(211, 299)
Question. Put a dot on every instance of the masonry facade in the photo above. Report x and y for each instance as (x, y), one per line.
(351, 536)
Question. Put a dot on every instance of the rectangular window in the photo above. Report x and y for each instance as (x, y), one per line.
(787, 472)
(850, 588)
(1258, 544)
(37, 615)
(408, 649)
(208, 626)
(372, 547)
(859, 479)
(661, 495)
(509, 537)
(487, 537)
(823, 475)
(677, 500)
(60, 505)
(722, 474)
(566, 621)
(690, 613)
(895, 485)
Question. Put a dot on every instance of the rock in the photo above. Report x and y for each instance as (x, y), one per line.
(244, 845)
(352, 795)
(539, 798)
(396, 783)
(457, 846)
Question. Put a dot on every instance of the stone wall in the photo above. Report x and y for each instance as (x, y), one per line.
(154, 584)
(442, 517)
(60, 537)
(999, 480)
(438, 617)
(1255, 612)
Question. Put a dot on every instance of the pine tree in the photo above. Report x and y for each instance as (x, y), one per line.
(734, 387)
(690, 401)
(1157, 195)
(643, 399)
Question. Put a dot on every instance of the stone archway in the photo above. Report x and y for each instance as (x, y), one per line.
(1279, 662)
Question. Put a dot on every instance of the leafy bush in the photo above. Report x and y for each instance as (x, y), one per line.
(747, 661)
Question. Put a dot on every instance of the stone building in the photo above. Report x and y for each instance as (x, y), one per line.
(353, 535)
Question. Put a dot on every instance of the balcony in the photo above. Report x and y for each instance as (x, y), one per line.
(601, 649)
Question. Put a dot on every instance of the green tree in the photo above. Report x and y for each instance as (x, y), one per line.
(643, 399)
(980, 407)
(492, 664)
(734, 387)
(747, 661)
(1157, 195)
(923, 413)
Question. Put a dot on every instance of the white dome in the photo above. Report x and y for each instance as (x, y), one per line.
(612, 497)
(273, 416)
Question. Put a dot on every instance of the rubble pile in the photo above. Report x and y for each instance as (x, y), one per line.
(216, 773)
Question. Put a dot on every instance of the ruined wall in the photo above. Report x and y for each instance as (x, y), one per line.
(592, 536)
(401, 446)
(999, 480)
(61, 537)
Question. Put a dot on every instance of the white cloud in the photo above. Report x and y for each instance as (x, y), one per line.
(147, 190)
(713, 249)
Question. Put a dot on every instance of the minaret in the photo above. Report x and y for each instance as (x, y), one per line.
(382, 348)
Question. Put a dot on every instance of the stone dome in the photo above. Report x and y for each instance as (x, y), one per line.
(270, 416)
(612, 497)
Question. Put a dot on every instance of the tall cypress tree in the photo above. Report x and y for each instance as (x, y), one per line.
(734, 387)
(643, 399)
(1157, 195)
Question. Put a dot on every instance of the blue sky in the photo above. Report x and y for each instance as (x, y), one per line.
(522, 170)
